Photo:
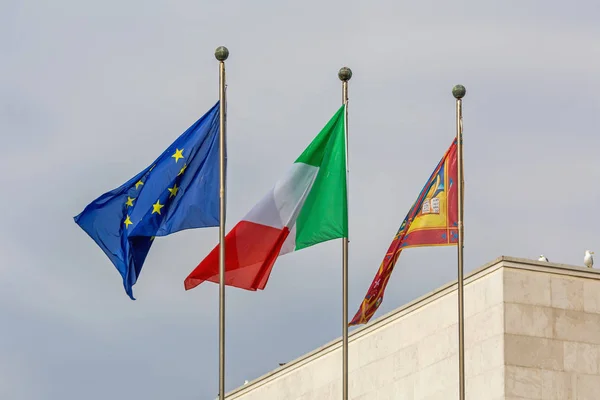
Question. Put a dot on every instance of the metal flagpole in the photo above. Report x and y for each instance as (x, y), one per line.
(221, 54)
(345, 74)
(459, 92)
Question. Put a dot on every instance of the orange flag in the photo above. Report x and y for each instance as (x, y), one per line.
(431, 221)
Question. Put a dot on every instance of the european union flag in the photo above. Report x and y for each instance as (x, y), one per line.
(179, 190)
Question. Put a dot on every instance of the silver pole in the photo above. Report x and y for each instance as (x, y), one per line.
(345, 74)
(221, 54)
(459, 92)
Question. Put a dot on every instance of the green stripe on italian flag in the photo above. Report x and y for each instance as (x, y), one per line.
(307, 206)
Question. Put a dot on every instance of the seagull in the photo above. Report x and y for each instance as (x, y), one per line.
(245, 382)
(543, 258)
(588, 260)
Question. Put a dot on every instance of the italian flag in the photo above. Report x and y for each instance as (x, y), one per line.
(308, 205)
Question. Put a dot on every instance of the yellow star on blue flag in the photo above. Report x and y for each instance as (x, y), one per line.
(179, 190)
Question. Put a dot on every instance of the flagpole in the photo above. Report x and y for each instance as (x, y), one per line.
(221, 54)
(345, 74)
(459, 92)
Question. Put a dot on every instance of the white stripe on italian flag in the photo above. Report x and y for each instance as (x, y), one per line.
(307, 206)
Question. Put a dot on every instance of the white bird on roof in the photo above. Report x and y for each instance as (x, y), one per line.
(588, 260)
(543, 258)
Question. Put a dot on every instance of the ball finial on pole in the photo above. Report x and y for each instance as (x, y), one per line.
(459, 92)
(221, 53)
(345, 74)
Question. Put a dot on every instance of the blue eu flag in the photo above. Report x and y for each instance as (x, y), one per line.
(179, 190)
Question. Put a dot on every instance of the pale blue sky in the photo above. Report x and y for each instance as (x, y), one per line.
(91, 92)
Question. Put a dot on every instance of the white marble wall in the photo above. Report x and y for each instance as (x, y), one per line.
(531, 332)
(552, 340)
(409, 355)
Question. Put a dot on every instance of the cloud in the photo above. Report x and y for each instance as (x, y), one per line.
(92, 93)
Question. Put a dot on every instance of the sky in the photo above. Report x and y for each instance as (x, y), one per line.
(92, 92)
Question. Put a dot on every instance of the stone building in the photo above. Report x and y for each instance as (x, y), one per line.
(532, 331)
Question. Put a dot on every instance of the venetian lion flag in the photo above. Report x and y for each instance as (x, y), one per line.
(431, 221)
(308, 205)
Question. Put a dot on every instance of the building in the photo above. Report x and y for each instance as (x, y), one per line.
(532, 331)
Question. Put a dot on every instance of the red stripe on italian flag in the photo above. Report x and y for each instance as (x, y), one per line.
(308, 205)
